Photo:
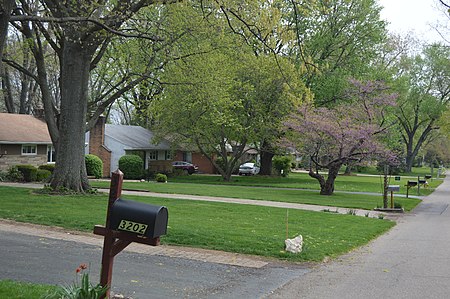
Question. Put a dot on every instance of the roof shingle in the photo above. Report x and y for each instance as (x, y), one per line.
(23, 128)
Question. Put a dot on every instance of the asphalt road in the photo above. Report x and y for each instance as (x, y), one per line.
(52, 261)
(411, 261)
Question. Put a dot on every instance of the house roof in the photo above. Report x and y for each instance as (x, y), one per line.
(135, 137)
(23, 128)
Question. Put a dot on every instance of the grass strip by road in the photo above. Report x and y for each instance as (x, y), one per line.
(20, 290)
(342, 200)
(229, 227)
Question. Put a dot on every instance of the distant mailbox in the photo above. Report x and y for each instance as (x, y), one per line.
(397, 178)
(412, 183)
(393, 188)
(139, 218)
(422, 182)
(427, 177)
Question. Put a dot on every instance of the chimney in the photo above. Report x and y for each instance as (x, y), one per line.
(97, 136)
(97, 145)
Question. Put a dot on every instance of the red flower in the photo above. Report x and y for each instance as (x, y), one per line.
(78, 270)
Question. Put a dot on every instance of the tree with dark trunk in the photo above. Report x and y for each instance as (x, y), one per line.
(425, 98)
(79, 32)
(345, 134)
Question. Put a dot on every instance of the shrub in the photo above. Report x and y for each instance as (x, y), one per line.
(94, 166)
(149, 174)
(14, 175)
(29, 172)
(49, 167)
(282, 165)
(43, 175)
(3, 176)
(132, 167)
(161, 178)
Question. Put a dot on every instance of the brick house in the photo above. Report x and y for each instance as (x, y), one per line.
(110, 142)
(24, 139)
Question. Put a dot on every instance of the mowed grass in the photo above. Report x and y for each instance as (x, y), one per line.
(352, 183)
(229, 227)
(339, 199)
(20, 290)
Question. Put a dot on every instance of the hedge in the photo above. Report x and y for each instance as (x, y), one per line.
(132, 167)
(43, 175)
(29, 172)
(94, 166)
(49, 167)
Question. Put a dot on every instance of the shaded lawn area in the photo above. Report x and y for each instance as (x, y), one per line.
(229, 227)
(342, 200)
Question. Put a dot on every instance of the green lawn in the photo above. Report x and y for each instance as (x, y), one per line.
(20, 290)
(343, 200)
(354, 183)
(229, 227)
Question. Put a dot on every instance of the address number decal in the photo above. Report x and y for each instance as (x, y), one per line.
(133, 227)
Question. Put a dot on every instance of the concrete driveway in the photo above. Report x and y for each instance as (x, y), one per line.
(411, 261)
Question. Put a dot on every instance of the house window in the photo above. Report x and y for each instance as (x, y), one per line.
(187, 156)
(153, 155)
(29, 149)
(168, 155)
(51, 154)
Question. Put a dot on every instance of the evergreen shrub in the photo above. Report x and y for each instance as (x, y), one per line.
(132, 167)
(94, 166)
(29, 172)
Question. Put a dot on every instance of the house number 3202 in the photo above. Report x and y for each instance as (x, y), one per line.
(133, 227)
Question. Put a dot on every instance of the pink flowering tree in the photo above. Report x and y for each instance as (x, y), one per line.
(347, 133)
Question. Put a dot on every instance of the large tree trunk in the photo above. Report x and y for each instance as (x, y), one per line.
(267, 152)
(7, 88)
(70, 170)
(327, 185)
(6, 7)
(266, 162)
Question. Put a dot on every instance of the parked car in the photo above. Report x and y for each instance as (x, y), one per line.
(185, 166)
(248, 169)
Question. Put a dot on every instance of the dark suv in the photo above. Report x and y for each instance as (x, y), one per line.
(185, 166)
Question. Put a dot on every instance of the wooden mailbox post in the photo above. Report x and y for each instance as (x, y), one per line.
(116, 240)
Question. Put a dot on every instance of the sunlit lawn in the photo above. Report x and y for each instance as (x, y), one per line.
(293, 189)
(229, 227)
(354, 183)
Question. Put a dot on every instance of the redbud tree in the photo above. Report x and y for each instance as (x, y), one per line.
(346, 133)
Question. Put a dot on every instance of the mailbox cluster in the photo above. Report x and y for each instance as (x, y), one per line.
(127, 221)
(420, 182)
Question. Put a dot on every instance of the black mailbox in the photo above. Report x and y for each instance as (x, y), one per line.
(412, 183)
(139, 218)
(427, 177)
(422, 182)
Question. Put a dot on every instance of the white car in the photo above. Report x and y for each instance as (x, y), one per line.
(248, 169)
